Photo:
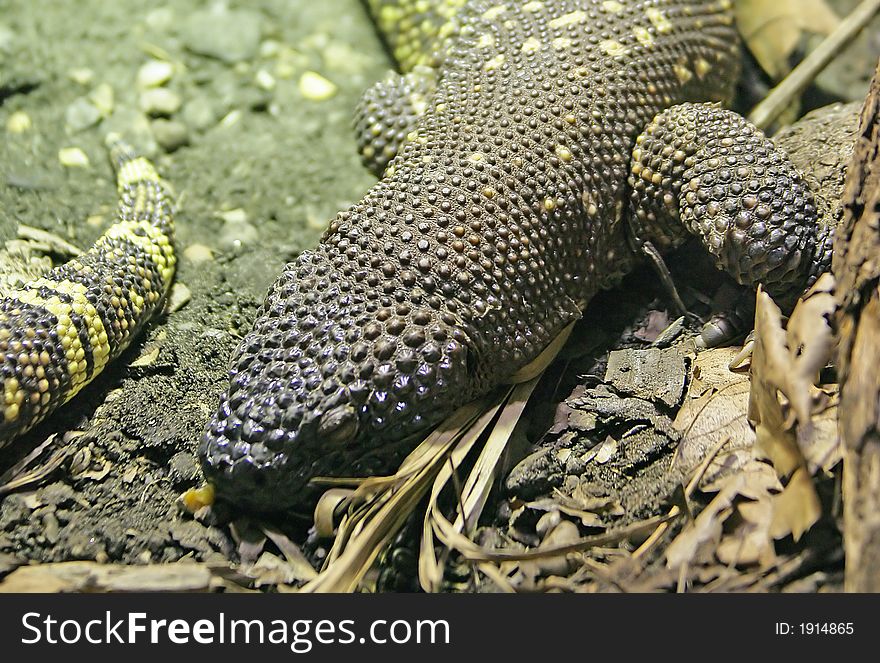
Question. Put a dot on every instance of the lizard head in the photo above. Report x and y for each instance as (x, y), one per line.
(335, 379)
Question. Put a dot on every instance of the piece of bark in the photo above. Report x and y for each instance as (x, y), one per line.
(856, 267)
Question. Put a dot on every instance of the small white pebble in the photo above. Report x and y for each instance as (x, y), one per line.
(269, 48)
(149, 356)
(237, 215)
(231, 118)
(265, 80)
(154, 73)
(18, 123)
(315, 87)
(160, 19)
(81, 75)
(160, 101)
(73, 157)
(102, 98)
(198, 253)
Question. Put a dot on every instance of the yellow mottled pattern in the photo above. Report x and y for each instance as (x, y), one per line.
(658, 20)
(416, 30)
(135, 171)
(65, 342)
(643, 35)
(611, 6)
(68, 331)
(151, 240)
(612, 47)
(572, 18)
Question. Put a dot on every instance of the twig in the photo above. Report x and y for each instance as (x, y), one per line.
(802, 75)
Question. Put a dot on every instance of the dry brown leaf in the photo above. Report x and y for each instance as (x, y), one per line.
(715, 407)
(755, 479)
(823, 449)
(766, 511)
(784, 369)
(790, 414)
(565, 533)
(270, 570)
(705, 530)
(581, 498)
(292, 553)
(772, 29)
(750, 542)
(797, 508)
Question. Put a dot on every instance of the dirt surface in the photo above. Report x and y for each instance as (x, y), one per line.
(263, 170)
(259, 167)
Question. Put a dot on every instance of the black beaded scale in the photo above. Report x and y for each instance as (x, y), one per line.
(725, 182)
(504, 212)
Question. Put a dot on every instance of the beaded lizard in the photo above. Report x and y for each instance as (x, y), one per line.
(515, 184)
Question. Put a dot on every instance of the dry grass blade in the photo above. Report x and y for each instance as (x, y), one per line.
(473, 552)
(327, 507)
(368, 529)
(479, 482)
(430, 568)
(478, 485)
(18, 476)
(495, 575)
(292, 553)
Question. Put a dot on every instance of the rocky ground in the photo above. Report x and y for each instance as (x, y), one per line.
(247, 112)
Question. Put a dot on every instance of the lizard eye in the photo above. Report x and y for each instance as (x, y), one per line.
(339, 425)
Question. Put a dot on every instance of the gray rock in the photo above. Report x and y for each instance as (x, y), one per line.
(183, 467)
(651, 374)
(199, 114)
(160, 101)
(170, 134)
(228, 35)
(57, 493)
(135, 128)
(81, 115)
(237, 231)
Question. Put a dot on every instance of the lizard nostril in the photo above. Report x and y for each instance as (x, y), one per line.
(339, 425)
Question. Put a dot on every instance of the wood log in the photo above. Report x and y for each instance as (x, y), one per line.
(856, 267)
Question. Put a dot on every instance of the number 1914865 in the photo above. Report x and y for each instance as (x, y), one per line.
(815, 628)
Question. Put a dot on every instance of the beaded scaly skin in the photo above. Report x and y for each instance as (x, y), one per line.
(503, 213)
(58, 332)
